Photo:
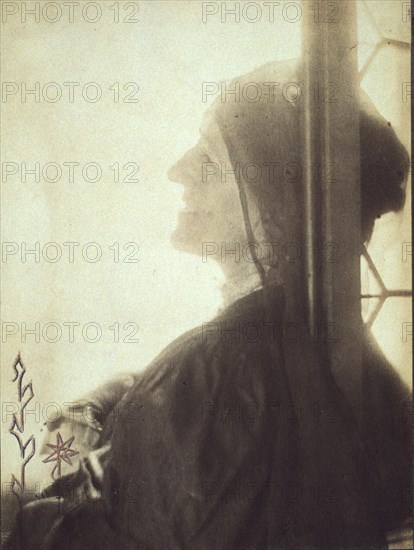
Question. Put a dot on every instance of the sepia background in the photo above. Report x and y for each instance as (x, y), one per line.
(169, 52)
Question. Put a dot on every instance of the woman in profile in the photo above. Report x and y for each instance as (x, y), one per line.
(219, 443)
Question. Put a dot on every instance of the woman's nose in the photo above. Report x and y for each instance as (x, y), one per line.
(175, 171)
(183, 170)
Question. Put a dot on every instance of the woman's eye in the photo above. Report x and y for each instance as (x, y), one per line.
(206, 158)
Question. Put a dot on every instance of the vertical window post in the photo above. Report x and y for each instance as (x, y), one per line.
(331, 189)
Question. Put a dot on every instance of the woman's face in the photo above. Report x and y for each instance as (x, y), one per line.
(211, 212)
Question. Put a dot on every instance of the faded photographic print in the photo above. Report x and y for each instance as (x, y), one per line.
(206, 275)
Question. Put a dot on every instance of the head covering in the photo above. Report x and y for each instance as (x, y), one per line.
(255, 132)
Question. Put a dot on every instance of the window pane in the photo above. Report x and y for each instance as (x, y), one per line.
(386, 79)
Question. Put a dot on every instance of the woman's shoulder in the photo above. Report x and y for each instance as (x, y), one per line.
(232, 343)
(226, 327)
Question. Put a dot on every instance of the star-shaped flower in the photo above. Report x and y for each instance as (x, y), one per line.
(61, 451)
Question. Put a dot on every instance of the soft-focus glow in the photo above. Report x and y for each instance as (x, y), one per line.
(167, 292)
(170, 53)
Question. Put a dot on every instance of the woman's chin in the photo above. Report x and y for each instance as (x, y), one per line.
(185, 241)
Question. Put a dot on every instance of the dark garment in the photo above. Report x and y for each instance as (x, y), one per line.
(219, 446)
(214, 448)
